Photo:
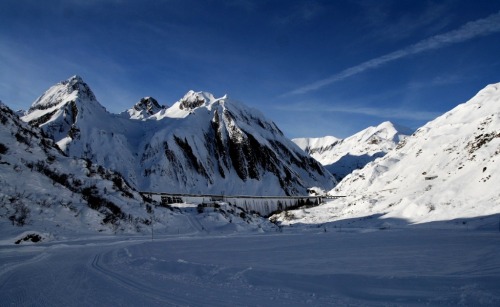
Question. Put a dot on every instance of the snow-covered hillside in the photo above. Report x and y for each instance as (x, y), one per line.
(342, 156)
(43, 189)
(45, 195)
(448, 169)
(201, 144)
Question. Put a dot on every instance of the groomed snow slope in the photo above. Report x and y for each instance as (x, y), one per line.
(447, 169)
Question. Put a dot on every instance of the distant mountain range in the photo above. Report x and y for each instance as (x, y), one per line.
(342, 156)
(201, 144)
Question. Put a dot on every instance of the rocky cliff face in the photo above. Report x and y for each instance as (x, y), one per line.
(143, 109)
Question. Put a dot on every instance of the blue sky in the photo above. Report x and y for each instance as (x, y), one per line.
(314, 67)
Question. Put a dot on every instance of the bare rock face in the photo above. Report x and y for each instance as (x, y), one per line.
(148, 105)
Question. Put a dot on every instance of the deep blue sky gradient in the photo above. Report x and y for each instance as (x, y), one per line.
(265, 54)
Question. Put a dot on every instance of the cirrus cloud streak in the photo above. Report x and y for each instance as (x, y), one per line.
(470, 30)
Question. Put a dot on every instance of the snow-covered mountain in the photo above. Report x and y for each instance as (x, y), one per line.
(201, 144)
(43, 188)
(45, 195)
(342, 156)
(448, 169)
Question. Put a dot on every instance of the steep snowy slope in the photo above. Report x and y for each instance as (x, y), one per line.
(42, 189)
(45, 195)
(200, 144)
(448, 169)
(342, 156)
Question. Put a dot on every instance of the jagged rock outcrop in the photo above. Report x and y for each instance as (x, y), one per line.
(143, 109)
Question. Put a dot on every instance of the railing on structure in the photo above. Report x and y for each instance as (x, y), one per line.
(264, 205)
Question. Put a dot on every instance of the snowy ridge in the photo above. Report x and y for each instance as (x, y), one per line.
(342, 156)
(448, 169)
(201, 144)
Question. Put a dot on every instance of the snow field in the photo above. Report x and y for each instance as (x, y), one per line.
(298, 267)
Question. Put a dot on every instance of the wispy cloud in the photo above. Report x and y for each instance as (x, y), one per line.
(470, 30)
(385, 113)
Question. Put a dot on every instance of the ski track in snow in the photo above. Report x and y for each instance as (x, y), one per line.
(131, 285)
(295, 268)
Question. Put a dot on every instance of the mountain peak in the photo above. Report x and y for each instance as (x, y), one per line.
(62, 93)
(76, 83)
(75, 78)
(145, 108)
(193, 100)
(386, 125)
(61, 107)
(148, 105)
(399, 129)
(386, 130)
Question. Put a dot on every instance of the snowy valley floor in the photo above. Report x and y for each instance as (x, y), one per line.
(300, 266)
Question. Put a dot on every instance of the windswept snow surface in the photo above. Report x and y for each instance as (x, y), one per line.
(397, 267)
